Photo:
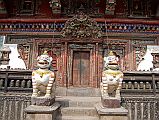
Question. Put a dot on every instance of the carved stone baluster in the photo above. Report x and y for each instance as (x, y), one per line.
(141, 85)
(157, 85)
(123, 85)
(135, 85)
(29, 84)
(1, 82)
(129, 85)
(11, 83)
(17, 83)
(148, 85)
(23, 83)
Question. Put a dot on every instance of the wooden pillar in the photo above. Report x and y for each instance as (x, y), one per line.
(34, 53)
(130, 56)
(96, 66)
(65, 82)
(100, 64)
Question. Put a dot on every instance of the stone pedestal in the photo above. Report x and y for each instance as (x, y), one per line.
(42, 101)
(110, 102)
(35, 112)
(111, 113)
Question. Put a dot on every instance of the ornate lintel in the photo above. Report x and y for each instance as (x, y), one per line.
(81, 26)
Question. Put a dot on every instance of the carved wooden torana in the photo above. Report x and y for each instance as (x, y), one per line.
(81, 26)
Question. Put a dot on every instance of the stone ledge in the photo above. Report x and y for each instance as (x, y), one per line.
(110, 102)
(42, 101)
(34, 109)
(111, 111)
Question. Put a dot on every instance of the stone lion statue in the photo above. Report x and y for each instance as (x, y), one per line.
(111, 77)
(43, 79)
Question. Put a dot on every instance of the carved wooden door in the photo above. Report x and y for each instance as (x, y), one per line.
(81, 68)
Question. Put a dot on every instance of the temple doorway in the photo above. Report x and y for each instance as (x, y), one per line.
(81, 68)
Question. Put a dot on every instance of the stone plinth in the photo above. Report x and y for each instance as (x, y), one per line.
(110, 102)
(35, 112)
(111, 113)
(42, 101)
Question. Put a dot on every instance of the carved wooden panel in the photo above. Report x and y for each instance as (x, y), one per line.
(139, 53)
(81, 26)
(51, 51)
(24, 51)
(140, 8)
(27, 7)
(155, 60)
(70, 7)
(120, 52)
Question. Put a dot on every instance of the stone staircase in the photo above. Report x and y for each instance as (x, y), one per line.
(78, 104)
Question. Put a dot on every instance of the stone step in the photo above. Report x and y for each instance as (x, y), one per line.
(71, 101)
(79, 111)
(76, 91)
(77, 118)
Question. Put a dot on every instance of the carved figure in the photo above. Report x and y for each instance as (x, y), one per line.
(56, 6)
(111, 77)
(43, 79)
(110, 7)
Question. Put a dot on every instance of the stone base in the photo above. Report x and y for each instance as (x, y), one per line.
(111, 113)
(42, 101)
(110, 102)
(42, 112)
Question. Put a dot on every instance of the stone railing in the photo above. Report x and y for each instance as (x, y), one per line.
(15, 80)
(142, 83)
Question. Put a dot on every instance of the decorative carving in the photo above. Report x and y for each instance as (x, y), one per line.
(81, 26)
(27, 7)
(110, 7)
(119, 48)
(139, 52)
(56, 6)
(43, 81)
(71, 7)
(3, 10)
(24, 51)
(54, 50)
(111, 82)
(75, 46)
(5, 51)
(155, 60)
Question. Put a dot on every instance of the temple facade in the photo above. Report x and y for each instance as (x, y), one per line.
(79, 34)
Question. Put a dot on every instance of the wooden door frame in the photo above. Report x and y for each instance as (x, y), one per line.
(70, 63)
